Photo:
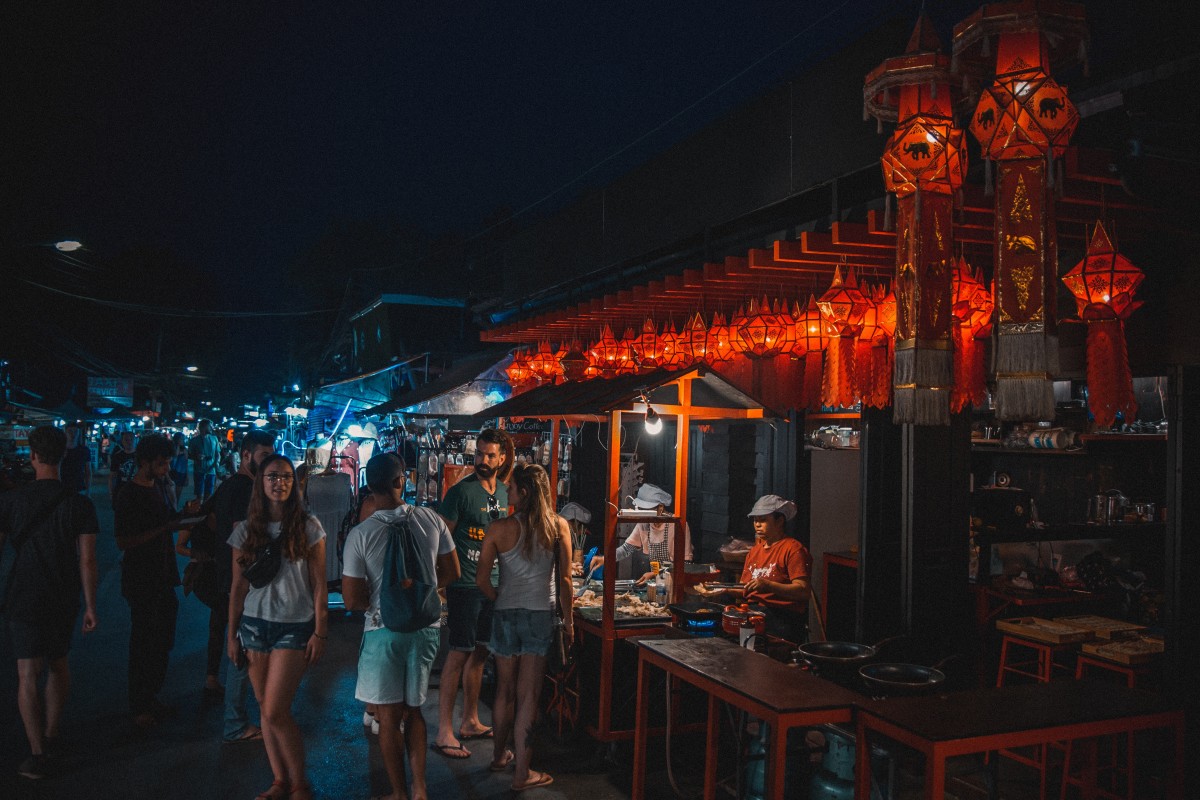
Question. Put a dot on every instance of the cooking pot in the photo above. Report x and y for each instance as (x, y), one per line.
(735, 618)
(900, 678)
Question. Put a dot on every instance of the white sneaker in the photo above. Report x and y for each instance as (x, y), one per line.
(369, 721)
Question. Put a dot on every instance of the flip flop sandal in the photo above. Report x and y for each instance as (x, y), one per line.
(454, 751)
(484, 734)
(542, 780)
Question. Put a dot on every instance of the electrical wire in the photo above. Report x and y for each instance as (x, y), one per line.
(164, 311)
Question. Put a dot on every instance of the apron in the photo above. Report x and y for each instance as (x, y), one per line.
(660, 552)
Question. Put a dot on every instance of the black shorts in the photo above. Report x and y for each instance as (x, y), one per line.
(49, 638)
(469, 617)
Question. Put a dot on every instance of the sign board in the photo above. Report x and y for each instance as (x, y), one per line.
(110, 392)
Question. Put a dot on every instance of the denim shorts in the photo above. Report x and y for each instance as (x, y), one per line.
(521, 632)
(263, 636)
(468, 617)
(394, 667)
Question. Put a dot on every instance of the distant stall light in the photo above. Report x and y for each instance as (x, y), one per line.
(145, 419)
(293, 411)
(472, 403)
(192, 368)
(260, 423)
(67, 246)
(295, 387)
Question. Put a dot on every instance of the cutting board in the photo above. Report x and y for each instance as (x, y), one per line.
(1043, 630)
(1103, 627)
(1128, 651)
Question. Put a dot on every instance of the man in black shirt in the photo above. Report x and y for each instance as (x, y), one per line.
(144, 520)
(53, 532)
(230, 503)
(76, 470)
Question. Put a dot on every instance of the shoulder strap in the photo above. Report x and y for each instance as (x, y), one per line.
(557, 585)
(26, 531)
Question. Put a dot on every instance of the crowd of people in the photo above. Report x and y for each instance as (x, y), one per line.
(494, 545)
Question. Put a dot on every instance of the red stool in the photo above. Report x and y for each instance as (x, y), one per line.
(1040, 664)
(1084, 664)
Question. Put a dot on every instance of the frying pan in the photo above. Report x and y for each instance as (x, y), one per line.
(840, 654)
(901, 678)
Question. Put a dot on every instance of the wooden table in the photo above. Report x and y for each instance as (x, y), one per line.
(781, 696)
(956, 723)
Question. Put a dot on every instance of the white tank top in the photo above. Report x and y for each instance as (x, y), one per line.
(526, 580)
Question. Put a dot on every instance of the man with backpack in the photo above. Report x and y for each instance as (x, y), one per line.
(205, 452)
(398, 646)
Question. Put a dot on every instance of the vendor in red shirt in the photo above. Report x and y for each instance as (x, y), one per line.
(777, 570)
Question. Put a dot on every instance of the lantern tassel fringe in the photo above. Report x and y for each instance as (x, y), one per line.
(1110, 383)
(1024, 391)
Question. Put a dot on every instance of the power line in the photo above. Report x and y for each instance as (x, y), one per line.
(164, 311)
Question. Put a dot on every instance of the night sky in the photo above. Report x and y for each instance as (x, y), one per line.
(231, 135)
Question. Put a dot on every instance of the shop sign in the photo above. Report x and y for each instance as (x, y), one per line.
(109, 392)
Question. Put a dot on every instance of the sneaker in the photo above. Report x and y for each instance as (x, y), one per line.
(34, 767)
(370, 721)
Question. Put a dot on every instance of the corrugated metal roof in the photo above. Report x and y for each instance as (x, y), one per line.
(600, 396)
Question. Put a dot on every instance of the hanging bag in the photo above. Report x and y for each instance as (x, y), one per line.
(558, 659)
(265, 566)
(408, 598)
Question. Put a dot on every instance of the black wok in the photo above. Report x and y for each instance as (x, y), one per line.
(839, 654)
(900, 678)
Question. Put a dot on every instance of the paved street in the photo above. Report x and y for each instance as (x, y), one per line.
(105, 757)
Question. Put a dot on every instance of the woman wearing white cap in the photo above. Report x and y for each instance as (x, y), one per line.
(653, 539)
(777, 570)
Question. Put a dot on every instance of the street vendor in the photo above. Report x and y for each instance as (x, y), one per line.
(777, 570)
(654, 540)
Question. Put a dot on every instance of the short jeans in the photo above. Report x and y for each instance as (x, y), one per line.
(521, 632)
(49, 638)
(469, 617)
(394, 667)
(263, 636)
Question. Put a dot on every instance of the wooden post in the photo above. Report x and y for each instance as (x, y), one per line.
(682, 421)
(554, 432)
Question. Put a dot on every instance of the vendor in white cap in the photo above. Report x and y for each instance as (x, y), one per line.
(776, 574)
(655, 540)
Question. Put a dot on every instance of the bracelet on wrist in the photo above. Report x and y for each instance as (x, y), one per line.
(319, 636)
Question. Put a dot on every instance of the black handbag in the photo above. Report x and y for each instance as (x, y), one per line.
(200, 578)
(265, 566)
(558, 659)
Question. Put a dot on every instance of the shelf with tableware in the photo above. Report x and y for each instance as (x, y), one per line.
(833, 429)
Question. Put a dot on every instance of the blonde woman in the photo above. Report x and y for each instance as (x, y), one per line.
(282, 626)
(523, 620)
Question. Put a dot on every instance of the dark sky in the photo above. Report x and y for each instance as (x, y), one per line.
(231, 134)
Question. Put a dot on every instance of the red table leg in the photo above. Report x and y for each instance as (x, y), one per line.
(862, 760)
(641, 734)
(777, 762)
(712, 732)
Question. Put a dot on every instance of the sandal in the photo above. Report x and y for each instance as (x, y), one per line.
(542, 779)
(455, 751)
(267, 794)
(304, 787)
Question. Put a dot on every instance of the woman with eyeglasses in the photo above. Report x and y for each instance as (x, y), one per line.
(525, 545)
(281, 627)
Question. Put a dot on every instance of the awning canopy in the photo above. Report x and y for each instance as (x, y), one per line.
(471, 384)
(707, 396)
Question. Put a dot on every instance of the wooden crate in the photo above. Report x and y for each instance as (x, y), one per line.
(1104, 627)
(1128, 651)
(1043, 630)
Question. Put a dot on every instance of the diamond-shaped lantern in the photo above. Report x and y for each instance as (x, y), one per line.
(543, 363)
(843, 305)
(648, 347)
(605, 352)
(673, 350)
(519, 371)
(927, 154)
(761, 331)
(1024, 114)
(720, 341)
(573, 362)
(627, 363)
(693, 340)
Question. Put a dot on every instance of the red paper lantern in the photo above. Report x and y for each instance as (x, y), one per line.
(812, 337)
(605, 353)
(542, 364)
(693, 340)
(648, 347)
(719, 347)
(761, 331)
(573, 362)
(519, 372)
(972, 310)
(1104, 283)
(627, 353)
(871, 330)
(843, 306)
(672, 346)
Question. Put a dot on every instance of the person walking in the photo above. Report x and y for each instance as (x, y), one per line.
(393, 667)
(179, 463)
(282, 625)
(76, 469)
(205, 452)
(52, 531)
(525, 545)
(230, 504)
(143, 521)
(469, 506)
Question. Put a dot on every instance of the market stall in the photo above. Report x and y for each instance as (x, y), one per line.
(687, 396)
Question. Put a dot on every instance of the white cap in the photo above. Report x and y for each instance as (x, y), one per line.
(576, 512)
(650, 496)
(769, 504)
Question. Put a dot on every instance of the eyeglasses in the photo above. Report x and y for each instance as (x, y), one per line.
(493, 507)
(279, 477)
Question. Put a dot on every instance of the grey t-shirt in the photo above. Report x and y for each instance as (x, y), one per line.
(288, 598)
(366, 547)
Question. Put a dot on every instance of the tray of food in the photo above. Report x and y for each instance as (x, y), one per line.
(1104, 627)
(1126, 651)
(630, 610)
(1043, 630)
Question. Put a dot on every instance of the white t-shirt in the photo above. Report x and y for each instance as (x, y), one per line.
(288, 598)
(366, 548)
(644, 534)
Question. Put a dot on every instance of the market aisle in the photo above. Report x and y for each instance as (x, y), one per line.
(105, 758)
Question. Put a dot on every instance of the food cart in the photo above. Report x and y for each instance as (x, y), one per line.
(695, 394)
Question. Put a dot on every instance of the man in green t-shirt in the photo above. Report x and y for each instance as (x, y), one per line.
(469, 506)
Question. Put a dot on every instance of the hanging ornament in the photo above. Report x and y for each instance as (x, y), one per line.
(693, 340)
(882, 348)
(843, 306)
(542, 364)
(627, 353)
(760, 332)
(719, 344)
(673, 347)
(1104, 283)
(744, 312)
(864, 353)
(605, 353)
(972, 311)
(519, 373)
(924, 164)
(573, 362)
(647, 348)
(1023, 121)
(812, 337)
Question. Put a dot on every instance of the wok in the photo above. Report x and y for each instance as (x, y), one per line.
(901, 678)
(840, 654)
